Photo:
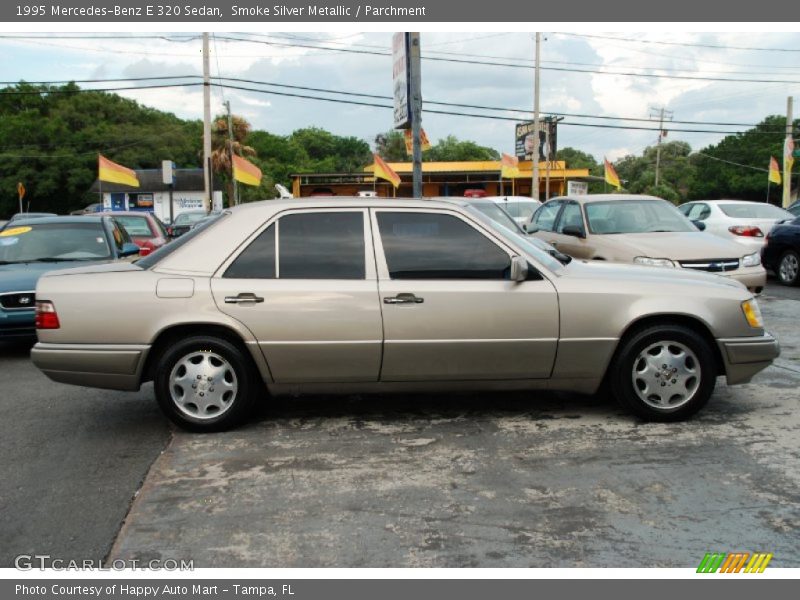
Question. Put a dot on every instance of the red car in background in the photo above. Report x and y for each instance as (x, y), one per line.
(145, 229)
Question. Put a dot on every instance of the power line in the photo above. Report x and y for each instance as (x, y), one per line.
(686, 44)
(730, 162)
(353, 102)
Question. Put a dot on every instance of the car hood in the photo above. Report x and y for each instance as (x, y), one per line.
(675, 245)
(646, 277)
(23, 276)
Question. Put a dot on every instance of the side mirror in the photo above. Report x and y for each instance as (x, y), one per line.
(699, 224)
(519, 268)
(128, 249)
(525, 227)
(574, 231)
(531, 228)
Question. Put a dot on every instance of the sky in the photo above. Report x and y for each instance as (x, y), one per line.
(619, 84)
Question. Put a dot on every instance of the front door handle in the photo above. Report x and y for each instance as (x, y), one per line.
(403, 299)
(243, 297)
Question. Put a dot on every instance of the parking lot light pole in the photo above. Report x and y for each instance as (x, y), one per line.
(535, 151)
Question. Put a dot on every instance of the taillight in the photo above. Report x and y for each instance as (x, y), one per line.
(745, 230)
(46, 315)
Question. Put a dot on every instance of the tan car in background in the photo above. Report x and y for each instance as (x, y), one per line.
(372, 294)
(642, 230)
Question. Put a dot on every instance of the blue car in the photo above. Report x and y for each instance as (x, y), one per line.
(31, 247)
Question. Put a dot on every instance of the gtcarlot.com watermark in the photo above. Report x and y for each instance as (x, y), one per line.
(42, 562)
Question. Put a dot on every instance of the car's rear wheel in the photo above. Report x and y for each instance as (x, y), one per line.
(789, 268)
(205, 383)
(664, 372)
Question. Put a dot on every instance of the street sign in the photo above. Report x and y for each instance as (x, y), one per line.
(167, 172)
(401, 80)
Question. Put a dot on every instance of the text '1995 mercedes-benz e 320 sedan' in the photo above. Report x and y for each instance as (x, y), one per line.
(344, 295)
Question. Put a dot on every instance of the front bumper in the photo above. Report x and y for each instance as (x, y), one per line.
(113, 367)
(17, 324)
(746, 356)
(753, 278)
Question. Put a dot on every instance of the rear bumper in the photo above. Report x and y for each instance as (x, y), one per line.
(114, 367)
(744, 357)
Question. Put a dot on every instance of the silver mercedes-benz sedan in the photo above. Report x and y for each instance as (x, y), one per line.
(365, 294)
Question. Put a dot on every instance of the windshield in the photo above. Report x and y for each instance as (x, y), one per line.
(635, 216)
(521, 209)
(755, 211)
(53, 242)
(516, 237)
(494, 212)
(189, 218)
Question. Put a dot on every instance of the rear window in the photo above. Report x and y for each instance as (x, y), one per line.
(135, 226)
(754, 211)
(151, 260)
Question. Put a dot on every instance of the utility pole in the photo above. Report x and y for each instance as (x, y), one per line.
(235, 200)
(207, 181)
(416, 111)
(661, 113)
(547, 158)
(535, 151)
(788, 145)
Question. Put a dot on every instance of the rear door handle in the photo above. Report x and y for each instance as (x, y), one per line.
(243, 297)
(403, 299)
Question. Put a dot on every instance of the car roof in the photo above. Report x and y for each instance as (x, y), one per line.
(59, 219)
(727, 201)
(121, 213)
(589, 198)
(353, 202)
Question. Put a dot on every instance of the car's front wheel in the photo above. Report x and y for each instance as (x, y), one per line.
(205, 383)
(789, 268)
(663, 372)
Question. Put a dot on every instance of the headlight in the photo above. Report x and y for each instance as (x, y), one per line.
(653, 262)
(751, 260)
(752, 313)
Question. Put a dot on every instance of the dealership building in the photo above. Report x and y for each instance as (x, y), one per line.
(153, 195)
(442, 179)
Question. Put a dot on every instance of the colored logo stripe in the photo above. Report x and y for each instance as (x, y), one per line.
(734, 562)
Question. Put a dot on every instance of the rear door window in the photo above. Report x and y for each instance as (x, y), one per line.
(321, 245)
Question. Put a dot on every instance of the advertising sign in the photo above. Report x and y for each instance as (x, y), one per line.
(577, 188)
(525, 140)
(400, 81)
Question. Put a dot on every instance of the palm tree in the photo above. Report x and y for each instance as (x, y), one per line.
(222, 146)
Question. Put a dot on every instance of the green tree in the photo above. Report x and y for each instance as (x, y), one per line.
(746, 178)
(50, 137)
(450, 148)
(576, 159)
(676, 175)
(391, 146)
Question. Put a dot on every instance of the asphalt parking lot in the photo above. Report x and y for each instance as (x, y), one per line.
(480, 480)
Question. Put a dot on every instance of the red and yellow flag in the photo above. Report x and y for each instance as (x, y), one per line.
(774, 170)
(424, 142)
(611, 174)
(384, 171)
(113, 173)
(509, 166)
(245, 172)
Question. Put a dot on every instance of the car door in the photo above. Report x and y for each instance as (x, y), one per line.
(450, 311)
(571, 216)
(305, 285)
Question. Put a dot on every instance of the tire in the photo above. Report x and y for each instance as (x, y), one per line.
(788, 270)
(185, 381)
(663, 372)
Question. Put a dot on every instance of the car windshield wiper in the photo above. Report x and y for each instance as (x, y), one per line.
(54, 259)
